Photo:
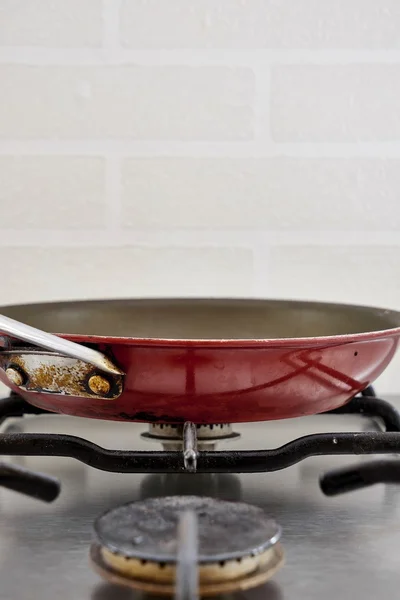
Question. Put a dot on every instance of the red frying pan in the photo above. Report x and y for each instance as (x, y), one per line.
(206, 361)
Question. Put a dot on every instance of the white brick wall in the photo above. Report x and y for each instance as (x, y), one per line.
(260, 24)
(52, 192)
(51, 23)
(125, 271)
(172, 102)
(331, 103)
(282, 193)
(201, 147)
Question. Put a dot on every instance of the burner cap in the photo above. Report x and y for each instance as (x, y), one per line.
(147, 530)
(137, 545)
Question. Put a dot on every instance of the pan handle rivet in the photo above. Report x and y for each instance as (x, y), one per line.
(99, 385)
(15, 376)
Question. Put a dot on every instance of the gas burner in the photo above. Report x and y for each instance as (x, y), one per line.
(172, 436)
(187, 546)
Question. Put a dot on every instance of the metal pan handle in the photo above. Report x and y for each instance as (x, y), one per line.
(44, 371)
(48, 341)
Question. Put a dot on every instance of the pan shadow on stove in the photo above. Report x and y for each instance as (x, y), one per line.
(108, 591)
(216, 485)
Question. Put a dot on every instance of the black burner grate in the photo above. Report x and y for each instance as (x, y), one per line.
(190, 459)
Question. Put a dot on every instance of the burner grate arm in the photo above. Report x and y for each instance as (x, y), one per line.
(243, 461)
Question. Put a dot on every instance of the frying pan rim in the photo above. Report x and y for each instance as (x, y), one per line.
(292, 342)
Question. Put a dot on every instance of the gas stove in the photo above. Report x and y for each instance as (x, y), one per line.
(336, 544)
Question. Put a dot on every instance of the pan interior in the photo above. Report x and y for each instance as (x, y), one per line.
(203, 319)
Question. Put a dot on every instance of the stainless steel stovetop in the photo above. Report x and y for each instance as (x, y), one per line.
(339, 547)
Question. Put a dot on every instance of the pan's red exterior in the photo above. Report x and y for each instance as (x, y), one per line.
(228, 381)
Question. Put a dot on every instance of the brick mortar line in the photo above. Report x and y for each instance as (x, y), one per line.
(112, 53)
(190, 237)
(257, 149)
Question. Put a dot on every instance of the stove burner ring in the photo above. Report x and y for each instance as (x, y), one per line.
(171, 436)
(263, 569)
(138, 544)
